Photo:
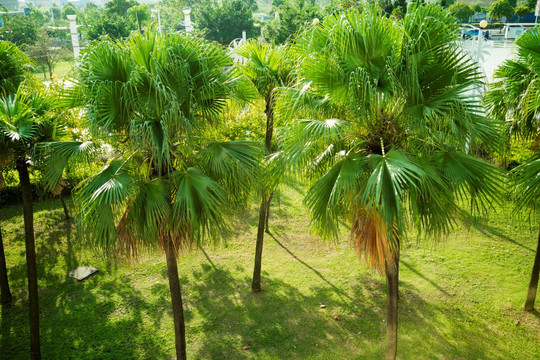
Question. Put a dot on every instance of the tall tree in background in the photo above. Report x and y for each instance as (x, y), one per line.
(224, 21)
(268, 68)
(390, 116)
(515, 99)
(171, 185)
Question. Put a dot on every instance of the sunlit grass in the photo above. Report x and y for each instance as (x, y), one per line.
(460, 297)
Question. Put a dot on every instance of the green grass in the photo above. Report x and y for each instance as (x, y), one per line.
(61, 69)
(459, 299)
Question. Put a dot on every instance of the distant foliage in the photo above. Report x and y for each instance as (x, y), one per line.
(522, 10)
(18, 29)
(501, 8)
(224, 21)
(293, 15)
(461, 10)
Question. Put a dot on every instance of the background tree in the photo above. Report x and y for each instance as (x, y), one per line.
(268, 68)
(38, 17)
(139, 14)
(117, 27)
(446, 3)
(515, 99)
(170, 184)
(56, 13)
(18, 29)
(171, 13)
(293, 15)
(360, 95)
(499, 9)
(224, 21)
(521, 11)
(119, 7)
(461, 11)
(478, 8)
(46, 53)
(69, 9)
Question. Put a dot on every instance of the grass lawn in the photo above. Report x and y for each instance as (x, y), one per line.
(61, 69)
(460, 297)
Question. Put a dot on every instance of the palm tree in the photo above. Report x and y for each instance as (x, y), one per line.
(12, 67)
(152, 97)
(382, 122)
(515, 99)
(12, 73)
(268, 68)
(25, 121)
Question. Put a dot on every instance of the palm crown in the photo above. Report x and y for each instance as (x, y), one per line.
(153, 97)
(391, 121)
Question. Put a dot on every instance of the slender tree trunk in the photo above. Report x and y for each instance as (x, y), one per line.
(4, 284)
(50, 70)
(267, 230)
(138, 22)
(63, 201)
(533, 284)
(392, 280)
(269, 110)
(31, 266)
(256, 283)
(265, 204)
(176, 300)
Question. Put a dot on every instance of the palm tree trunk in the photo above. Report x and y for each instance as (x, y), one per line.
(265, 204)
(256, 283)
(31, 267)
(269, 110)
(4, 284)
(392, 280)
(66, 212)
(176, 299)
(267, 230)
(533, 284)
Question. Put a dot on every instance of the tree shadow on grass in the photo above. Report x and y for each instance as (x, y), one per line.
(481, 225)
(103, 317)
(280, 322)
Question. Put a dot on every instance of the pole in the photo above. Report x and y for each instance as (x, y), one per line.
(159, 22)
(537, 12)
(74, 35)
(187, 20)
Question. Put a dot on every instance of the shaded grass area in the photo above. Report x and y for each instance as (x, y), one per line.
(459, 298)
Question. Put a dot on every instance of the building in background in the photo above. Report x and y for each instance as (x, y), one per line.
(12, 5)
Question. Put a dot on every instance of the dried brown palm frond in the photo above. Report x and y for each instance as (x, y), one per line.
(59, 187)
(369, 235)
(127, 242)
